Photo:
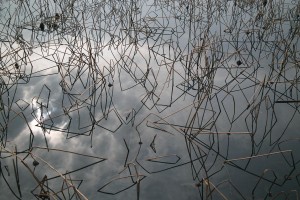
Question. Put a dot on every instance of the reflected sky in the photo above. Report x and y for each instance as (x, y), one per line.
(149, 99)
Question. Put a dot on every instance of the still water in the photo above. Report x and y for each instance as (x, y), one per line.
(163, 99)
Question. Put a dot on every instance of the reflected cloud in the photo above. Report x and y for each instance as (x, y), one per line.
(149, 99)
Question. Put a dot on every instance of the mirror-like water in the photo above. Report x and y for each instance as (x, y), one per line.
(161, 99)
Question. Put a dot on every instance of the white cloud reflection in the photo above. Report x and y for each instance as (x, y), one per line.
(103, 85)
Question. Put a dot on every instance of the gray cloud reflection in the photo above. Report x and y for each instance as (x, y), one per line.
(149, 99)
